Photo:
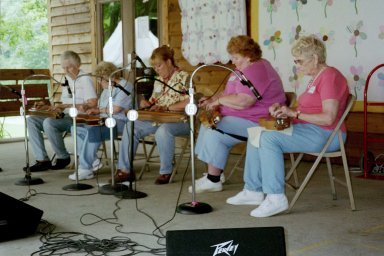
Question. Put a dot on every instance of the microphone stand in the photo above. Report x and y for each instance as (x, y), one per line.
(73, 113)
(195, 207)
(132, 116)
(28, 180)
(110, 122)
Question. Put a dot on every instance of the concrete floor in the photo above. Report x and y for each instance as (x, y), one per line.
(317, 224)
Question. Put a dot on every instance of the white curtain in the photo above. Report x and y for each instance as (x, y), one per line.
(207, 26)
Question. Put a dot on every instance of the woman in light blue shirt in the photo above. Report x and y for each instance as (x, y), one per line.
(89, 137)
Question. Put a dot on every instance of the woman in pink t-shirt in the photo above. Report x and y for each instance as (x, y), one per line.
(319, 110)
(239, 107)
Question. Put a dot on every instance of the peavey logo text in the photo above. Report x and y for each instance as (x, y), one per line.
(226, 247)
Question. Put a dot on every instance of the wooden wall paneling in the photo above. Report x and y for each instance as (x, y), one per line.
(56, 3)
(72, 29)
(163, 27)
(79, 48)
(67, 10)
(77, 18)
(72, 39)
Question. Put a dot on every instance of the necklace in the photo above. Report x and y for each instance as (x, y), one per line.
(313, 79)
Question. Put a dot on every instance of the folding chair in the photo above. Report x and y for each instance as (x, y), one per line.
(340, 153)
(181, 144)
(290, 102)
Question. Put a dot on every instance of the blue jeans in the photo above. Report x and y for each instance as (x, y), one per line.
(264, 166)
(54, 129)
(89, 139)
(165, 141)
(213, 147)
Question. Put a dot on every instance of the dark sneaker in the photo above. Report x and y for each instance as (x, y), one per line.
(121, 176)
(39, 166)
(163, 179)
(61, 163)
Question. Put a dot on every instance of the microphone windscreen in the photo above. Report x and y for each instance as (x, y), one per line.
(149, 72)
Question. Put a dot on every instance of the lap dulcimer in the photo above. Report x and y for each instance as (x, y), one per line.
(272, 123)
(46, 113)
(162, 117)
(92, 120)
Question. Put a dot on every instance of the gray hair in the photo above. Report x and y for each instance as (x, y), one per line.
(307, 46)
(72, 56)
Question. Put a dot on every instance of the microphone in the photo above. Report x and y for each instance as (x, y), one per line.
(66, 84)
(140, 61)
(11, 90)
(146, 70)
(121, 88)
(244, 80)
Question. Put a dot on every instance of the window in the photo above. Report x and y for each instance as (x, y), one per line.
(117, 20)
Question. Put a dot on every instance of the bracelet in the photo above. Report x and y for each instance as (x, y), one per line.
(298, 114)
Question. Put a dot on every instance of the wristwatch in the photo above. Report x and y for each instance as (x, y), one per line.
(298, 114)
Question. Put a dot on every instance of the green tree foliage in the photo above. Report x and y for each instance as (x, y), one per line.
(23, 34)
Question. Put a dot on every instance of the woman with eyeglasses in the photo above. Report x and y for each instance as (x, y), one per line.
(320, 107)
(90, 137)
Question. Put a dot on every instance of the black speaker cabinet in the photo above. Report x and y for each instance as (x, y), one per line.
(17, 219)
(226, 242)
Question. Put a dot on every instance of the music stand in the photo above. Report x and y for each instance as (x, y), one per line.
(195, 207)
(28, 180)
(73, 113)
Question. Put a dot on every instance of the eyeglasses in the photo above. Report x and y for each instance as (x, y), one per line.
(302, 61)
(101, 79)
(298, 62)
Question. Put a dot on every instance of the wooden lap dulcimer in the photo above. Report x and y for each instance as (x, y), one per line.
(46, 113)
(162, 117)
(91, 120)
(272, 123)
(209, 118)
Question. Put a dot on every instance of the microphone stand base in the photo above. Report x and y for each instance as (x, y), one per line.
(77, 187)
(194, 208)
(130, 194)
(108, 189)
(29, 181)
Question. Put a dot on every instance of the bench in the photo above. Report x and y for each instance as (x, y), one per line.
(36, 89)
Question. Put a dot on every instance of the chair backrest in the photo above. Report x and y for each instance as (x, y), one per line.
(350, 101)
(290, 99)
(337, 153)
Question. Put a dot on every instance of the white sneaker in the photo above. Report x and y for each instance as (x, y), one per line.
(247, 197)
(205, 185)
(83, 175)
(96, 165)
(273, 204)
(222, 177)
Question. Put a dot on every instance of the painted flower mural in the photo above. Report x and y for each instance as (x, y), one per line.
(380, 76)
(295, 79)
(272, 41)
(327, 3)
(271, 6)
(357, 72)
(295, 33)
(381, 33)
(355, 4)
(296, 5)
(357, 34)
(326, 35)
